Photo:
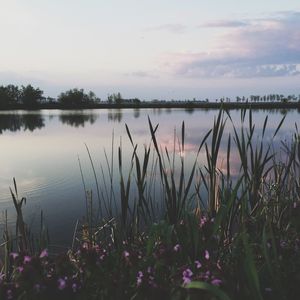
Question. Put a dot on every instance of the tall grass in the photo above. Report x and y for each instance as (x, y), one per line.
(204, 186)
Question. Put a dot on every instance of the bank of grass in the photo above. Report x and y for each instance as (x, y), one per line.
(218, 235)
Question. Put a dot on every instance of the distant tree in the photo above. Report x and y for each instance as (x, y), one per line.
(110, 98)
(136, 101)
(115, 98)
(9, 95)
(50, 99)
(4, 99)
(30, 96)
(14, 93)
(92, 98)
(75, 97)
(118, 98)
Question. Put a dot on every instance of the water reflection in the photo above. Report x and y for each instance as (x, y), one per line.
(136, 113)
(78, 119)
(189, 110)
(17, 122)
(115, 115)
(157, 111)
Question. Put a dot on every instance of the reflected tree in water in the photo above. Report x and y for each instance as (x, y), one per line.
(136, 113)
(115, 115)
(157, 111)
(189, 110)
(77, 119)
(10, 123)
(32, 122)
(17, 122)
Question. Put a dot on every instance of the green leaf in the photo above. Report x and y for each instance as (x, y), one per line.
(209, 288)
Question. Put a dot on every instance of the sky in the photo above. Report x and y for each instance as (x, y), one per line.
(152, 49)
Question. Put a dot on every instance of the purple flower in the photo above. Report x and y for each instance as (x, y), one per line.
(14, 255)
(20, 269)
(207, 275)
(126, 254)
(61, 283)
(139, 278)
(187, 276)
(177, 248)
(9, 294)
(97, 248)
(216, 282)
(27, 259)
(198, 264)
(203, 220)
(44, 253)
(186, 280)
(74, 287)
(206, 255)
(283, 244)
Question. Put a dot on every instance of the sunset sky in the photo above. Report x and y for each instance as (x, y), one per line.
(166, 49)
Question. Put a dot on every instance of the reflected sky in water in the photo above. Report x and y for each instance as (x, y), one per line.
(41, 149)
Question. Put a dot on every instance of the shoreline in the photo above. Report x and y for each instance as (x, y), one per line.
(143, 105)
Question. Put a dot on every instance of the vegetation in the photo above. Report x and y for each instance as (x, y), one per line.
(216, 234)
(77, 97)
(13, 97)
(115, 98)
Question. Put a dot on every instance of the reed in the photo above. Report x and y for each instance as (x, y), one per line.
(241, 226)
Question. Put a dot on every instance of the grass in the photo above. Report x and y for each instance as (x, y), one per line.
(215, 236)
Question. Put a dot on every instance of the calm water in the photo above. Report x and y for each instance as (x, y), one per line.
(41, 150)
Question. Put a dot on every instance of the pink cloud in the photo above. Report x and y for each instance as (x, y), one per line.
(260, 48)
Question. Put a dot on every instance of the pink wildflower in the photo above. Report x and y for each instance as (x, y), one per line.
(61, 283)
(139, 278)
(187, 276)
(14, 255)
(27, 259)
(216, 282)
(44, 253)
(177, 248)
(198, 264)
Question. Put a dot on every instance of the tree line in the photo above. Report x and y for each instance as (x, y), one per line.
(11, 95)
(28, 96)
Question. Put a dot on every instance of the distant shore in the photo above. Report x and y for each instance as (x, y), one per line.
(166, 104)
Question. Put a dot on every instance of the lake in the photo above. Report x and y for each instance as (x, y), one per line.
(42, 149)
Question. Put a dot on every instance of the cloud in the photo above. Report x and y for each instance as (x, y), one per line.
(172, 28)
(225, 23)
(142, 74)
(268, 47)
